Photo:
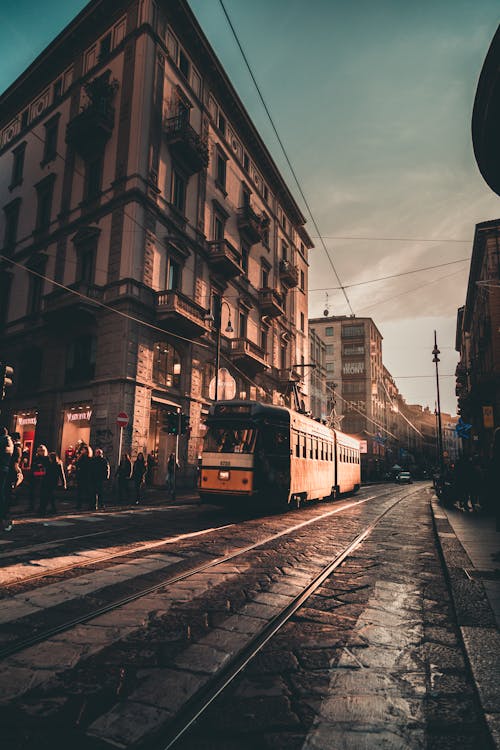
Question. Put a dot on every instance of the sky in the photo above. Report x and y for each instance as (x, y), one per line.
(373, 103)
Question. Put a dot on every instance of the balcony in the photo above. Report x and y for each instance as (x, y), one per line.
(64, 307)
(289, 275)
(177, 313)
(224, 258)
(270, 302)
(252, 358)
(250, 224)
(185, 144)
(89, 131)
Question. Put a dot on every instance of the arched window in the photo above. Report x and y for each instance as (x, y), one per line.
(166, 365)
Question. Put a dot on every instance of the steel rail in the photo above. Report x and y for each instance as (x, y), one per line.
(44, 635)
(197, 705)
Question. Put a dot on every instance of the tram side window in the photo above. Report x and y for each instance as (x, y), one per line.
(304, 448)
(297, 445)
(322, 451)
(316, 448)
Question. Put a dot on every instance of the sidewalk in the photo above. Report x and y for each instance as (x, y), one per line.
(468, 542)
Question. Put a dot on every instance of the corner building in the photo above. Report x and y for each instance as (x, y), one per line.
(142, 218)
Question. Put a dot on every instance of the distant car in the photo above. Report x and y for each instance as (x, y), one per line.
(404, 477)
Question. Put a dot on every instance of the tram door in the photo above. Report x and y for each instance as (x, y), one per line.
(272, 465)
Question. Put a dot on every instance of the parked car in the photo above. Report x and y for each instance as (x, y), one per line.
(404, 477)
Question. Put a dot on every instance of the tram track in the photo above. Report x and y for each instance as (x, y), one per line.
(44, 635)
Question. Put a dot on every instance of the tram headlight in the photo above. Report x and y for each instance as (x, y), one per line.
(224, 475)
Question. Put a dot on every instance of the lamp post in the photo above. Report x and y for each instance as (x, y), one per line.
(435, 359)
(229, 329)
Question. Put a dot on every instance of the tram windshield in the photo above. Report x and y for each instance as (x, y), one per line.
(230, 440)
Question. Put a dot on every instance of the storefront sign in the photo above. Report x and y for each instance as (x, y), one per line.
(23, 421)
(488, 420)
(79, 416)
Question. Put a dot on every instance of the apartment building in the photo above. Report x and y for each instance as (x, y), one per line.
(144, 226)
(318, 395)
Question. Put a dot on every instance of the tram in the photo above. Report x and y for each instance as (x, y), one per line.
(274, 456)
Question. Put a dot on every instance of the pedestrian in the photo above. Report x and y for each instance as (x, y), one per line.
(124, 474)
(83, 477)
(54, 476)
(6, 451)
(99, 472)
(138, 474)
(150, 466)
(38, 471)
(172, 467)
(16, 475)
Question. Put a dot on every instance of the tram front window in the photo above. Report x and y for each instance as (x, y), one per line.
(230, 440)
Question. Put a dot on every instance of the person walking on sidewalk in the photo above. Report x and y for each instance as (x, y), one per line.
(6, 451)
(138, 474)
(83, 477)
(172, 468)
(54, 476)
(16, 475)
(38, 471)
(124, 474)
(99, 472)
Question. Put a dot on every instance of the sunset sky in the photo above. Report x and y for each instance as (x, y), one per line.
(373, 103)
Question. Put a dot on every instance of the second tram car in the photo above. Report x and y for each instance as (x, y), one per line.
(274, 456)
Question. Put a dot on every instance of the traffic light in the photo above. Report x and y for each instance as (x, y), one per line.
(6, 373)
(184, 424)
(170, 423)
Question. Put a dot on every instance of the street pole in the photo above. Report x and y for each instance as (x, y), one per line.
(435, 359)
(217, 356)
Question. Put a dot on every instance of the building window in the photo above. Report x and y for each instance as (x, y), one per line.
(5, 287)
(284, 250)
(81, 359)
(57, 90)
(85, 266)
(35, 294)
(265, 233)
(220, 178)
(302, 281)
(264, 277)
(329, 331)
(18, 165)
(45, 190)
(30, 370)
(178, 191)
(50, 145)
(302, 322)
(105, 47)
(245, 252)
(93, 178)
(221, 123)
(173, 274)
(242, 325)
(11, 211)
(330, 367)
(283, 357)
(166, 365)
(263, 340)
(219, 226)
(351, 332)
(329, 350)
(24, 119)
(184, 63)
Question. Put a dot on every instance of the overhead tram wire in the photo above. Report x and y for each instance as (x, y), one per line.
(394, 239)
(391, 276)
(306, 203)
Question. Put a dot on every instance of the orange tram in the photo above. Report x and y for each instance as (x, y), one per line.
(274, 456)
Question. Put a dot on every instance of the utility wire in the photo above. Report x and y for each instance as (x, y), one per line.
(409, 291)
(391, 276)
(392, 239)
(261, 97)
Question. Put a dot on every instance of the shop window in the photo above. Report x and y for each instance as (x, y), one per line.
(50, 144)
(81, 359)
(166, 365)
(18, 165)
(29, 369)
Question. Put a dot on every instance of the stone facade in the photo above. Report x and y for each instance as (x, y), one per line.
(139, 202)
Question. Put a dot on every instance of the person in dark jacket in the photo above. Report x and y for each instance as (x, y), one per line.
(124, 474)
(6, 451)
(99, 471)
(83, 477)
(54, 476)
(15, 471)
(38, 471)
(138, 473)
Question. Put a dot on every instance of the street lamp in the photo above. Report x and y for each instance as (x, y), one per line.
(216, 317)
(435, 359)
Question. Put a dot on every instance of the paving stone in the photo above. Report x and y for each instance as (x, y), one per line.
(167, 688)
(263, 611)
(16, 681)
(127, 723)
(224, 640)
(329, 737)
(242, 624)
(483, 650)
(201, 658)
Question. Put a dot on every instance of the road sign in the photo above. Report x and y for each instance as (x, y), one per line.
(122, 419)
